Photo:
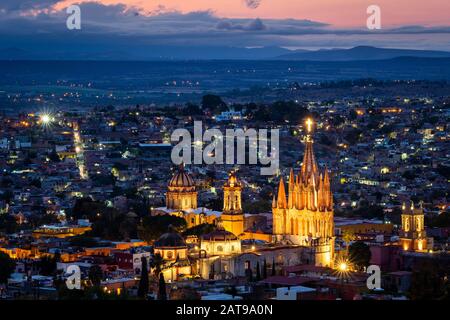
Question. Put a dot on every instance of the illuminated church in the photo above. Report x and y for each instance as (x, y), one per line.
(412, 235)
(182, 193)
(304, 214)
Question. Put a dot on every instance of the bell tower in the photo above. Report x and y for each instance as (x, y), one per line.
(413, 235)
(232, 216)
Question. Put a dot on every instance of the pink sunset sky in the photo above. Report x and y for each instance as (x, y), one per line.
(339, 13)
(293, 24)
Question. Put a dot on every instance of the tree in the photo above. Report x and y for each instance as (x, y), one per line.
(162, 294)
(353, 136)
(352, 115)
(200, 229)
(153, 227)
(47, 265)
(95, 275)
(429, 281)
(359, 254)
(8, 223)
(258, 272)
(249, 274)
(348, 236)
(7, 266)
(441, 221)
(83, 241)
(255, 207)
(213, 103)
(192, 110)
(156, 264)
(143, 283)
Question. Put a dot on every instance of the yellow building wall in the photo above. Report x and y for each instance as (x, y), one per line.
(256, 236)
(366, 227)
(233, 223)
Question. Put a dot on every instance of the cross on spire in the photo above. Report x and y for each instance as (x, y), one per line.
(309, 124)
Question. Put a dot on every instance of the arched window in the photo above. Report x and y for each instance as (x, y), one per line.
(169, 254)
(219, 248)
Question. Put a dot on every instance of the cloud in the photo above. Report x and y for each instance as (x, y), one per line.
(253, 25)
(26, 5)
(123, 25)
(252, 4)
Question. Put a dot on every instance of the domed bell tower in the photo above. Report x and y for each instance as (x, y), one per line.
(181, 193)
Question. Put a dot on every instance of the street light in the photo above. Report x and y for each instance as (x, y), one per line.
(45, 118)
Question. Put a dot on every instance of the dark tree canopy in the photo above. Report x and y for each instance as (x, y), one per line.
(7, 266)
(430, 281)
(162, 294)
(143, 283)
(214, 103)
(359, 254)
(200, 229)
(95, 275)
(154, 226)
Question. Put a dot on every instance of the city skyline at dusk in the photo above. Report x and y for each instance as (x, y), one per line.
(224, 157)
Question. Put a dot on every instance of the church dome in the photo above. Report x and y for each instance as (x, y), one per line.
(170, 239)
(220, 234)
(182, 179)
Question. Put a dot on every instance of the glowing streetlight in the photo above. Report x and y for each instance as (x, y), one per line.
(46, 119)
(343, 267)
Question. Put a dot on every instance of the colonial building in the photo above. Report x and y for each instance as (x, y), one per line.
(181, 201)
(220, 242)
(174, 251)
(305, 215)
(413, 235)
(232, 216)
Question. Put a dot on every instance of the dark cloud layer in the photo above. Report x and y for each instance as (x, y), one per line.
(26, 5)
(111, 25)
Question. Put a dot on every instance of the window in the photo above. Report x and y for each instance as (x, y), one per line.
(219, 248)
(169, 254)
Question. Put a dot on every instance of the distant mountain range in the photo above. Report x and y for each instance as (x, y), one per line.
(216, 53)
(361, 53)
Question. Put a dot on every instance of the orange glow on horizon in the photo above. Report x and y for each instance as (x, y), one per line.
(338, 13)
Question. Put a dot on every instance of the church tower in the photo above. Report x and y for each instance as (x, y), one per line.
(232, 216)
(305, 216)
(412, 235)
